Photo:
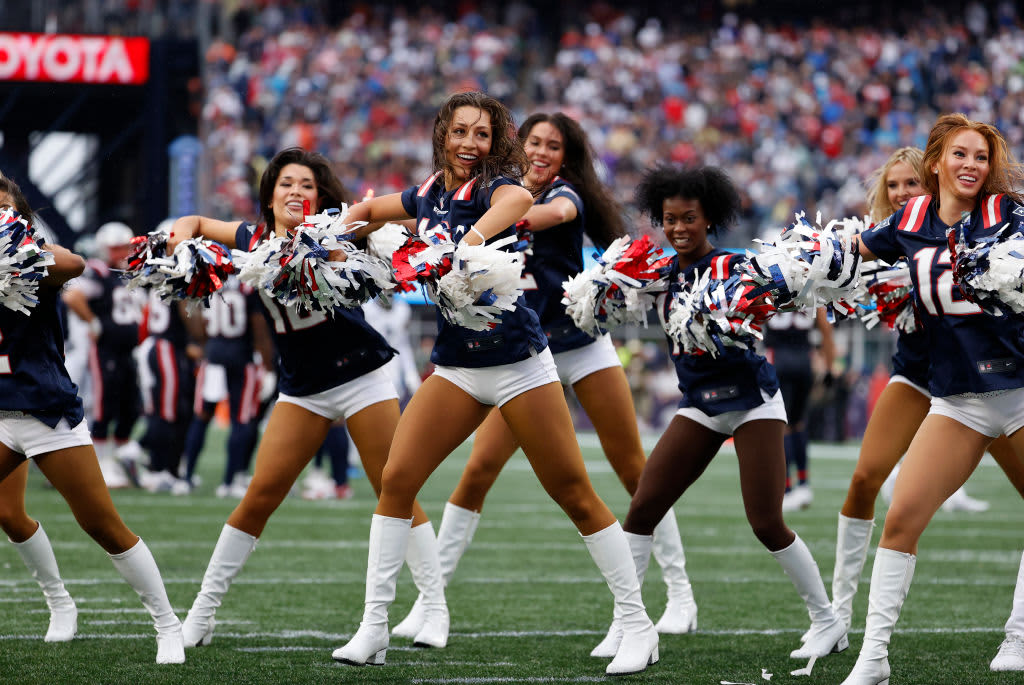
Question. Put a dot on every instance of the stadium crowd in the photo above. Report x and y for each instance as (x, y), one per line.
(798, 114)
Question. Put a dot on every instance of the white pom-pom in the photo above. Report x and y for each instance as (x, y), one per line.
(385, 240)
(484, 282)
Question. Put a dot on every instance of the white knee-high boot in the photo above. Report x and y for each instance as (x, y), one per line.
(1011, 653)
(611, 552)
(852, 539)
(640, 549)
(428, 622)
(37, 553)
(388, 539)
(453, 537)
(681, 610)
(827, 633)
(890, 582)
(229, 556)
(140, 570)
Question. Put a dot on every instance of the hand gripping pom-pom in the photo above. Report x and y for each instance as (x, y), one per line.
(195, 270)
(297, 269)
(990, 272)
(23, 262)
(809, 266)
(619, 288)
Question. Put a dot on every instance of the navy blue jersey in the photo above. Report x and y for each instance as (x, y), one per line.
(518, 333)
(735, 379)
(557, 256)
(164, 321)
(228, 333)
(33, 378)
(316, 351)
(971, 352)
(117, 308)
(911, 359)
(787, 337)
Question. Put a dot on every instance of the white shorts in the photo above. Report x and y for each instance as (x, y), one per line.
(214, 386)
(727, 423)
(994, 415)
(496, 385)
(575, 365)
(896, 378)
(28, 435)
(342, 401)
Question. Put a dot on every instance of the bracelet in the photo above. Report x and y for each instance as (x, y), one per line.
(95, 327)
(482, 238)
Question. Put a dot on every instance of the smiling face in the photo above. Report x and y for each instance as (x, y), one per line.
(545, 149)
(686, 228)
(901, 184)
(295, 184)
(964, 166)
(468, 141)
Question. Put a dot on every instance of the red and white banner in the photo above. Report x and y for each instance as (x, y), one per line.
(69, 58)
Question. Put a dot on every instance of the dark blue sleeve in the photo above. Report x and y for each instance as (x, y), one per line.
(409, 201)
(482, 197)
(243, 236)
(569, 193)
(881, 239)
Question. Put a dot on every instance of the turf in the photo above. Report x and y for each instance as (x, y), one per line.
(527, 604)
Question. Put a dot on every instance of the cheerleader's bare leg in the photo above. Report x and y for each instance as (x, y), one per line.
(33, 545)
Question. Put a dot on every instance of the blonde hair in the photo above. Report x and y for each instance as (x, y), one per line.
(879, 206)
(1005, 173)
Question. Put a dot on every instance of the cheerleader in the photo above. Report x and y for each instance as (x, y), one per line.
(976, 377)
(41, 418)
(734, 394)
(898, 413)
(344, 378)
(475, 192)
(569, 200)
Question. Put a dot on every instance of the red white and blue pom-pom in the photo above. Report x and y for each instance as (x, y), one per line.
(423, 258)
(484, 282)
(386, 240)
(990, 272)
(23, 262)
(809, 266)
(195, 270)
(888, 297)
(297, 270)
(471, 284)
(620, 288)
(709, 315)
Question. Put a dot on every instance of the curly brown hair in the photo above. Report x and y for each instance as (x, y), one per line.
(507, 157)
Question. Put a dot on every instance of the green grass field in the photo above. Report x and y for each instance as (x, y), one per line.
(527, 603)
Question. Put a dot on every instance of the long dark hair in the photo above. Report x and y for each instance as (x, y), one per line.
(21, 205)
(604, 222)
(330, 191)
(709, 185)
(506, 158)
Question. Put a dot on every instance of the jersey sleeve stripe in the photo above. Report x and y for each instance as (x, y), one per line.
(993, 214)
(465, 191)
(426, 184)
(913, 215)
